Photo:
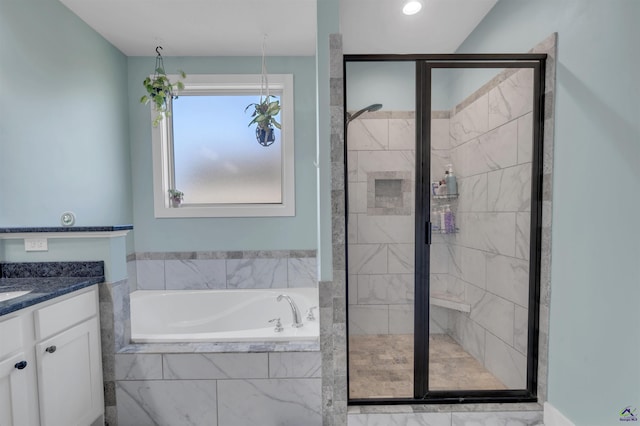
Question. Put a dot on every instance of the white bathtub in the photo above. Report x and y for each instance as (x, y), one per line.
(220, 315)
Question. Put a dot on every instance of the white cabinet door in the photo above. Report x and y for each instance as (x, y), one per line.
(70, 376)
(14, 391)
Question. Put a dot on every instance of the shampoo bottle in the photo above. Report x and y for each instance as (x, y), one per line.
(450, 179)
(449, 222)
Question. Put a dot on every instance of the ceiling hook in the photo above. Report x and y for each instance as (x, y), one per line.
(158, 47)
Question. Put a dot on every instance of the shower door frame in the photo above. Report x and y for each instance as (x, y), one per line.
(424, 65)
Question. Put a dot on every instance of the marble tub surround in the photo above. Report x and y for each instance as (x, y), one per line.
(220, 389)
(230, 383)
(45, 280)
(223, 269)
(221, 347)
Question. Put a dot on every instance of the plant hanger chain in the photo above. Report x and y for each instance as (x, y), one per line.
(159, 69)
(159, 61)
(264, 80)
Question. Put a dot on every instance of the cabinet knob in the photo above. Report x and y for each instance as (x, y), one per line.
(21, 365)
(51, 349)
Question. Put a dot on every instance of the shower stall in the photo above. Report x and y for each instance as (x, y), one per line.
(443, 171)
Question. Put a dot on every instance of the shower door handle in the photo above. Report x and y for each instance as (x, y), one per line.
(428, 233)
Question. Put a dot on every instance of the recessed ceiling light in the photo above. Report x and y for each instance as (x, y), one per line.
(411, 7)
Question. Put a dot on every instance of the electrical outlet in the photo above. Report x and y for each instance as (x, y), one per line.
(35, 244)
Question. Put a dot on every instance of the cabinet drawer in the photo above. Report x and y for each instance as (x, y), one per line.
(64, 314)
(10, 336)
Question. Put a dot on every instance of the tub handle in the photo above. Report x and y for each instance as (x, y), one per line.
(310, 316)
(278, 328)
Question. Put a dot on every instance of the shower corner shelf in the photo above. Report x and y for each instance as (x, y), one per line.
(445, 197)
(437, 231)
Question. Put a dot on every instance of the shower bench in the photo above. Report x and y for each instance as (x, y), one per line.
(449, 301)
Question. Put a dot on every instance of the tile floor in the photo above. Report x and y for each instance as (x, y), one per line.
(381, 366)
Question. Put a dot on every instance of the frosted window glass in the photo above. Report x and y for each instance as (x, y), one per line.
(217, 159)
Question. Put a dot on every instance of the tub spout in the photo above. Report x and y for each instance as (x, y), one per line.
(297, 323)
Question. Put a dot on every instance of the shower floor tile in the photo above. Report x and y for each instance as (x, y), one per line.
(381, 366)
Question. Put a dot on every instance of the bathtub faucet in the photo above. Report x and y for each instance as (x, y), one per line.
(297, 323)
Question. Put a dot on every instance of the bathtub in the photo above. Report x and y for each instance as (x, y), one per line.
(161, 316)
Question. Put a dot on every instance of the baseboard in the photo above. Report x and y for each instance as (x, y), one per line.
(553, 417)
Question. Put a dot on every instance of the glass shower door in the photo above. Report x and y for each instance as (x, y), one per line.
(443, 228)
(381, 158)
(481, 145)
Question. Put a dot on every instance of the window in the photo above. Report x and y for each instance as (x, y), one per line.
(207, 150)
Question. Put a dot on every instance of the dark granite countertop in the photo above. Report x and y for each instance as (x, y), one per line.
(66, 229)
(45, 281)
(41, 289)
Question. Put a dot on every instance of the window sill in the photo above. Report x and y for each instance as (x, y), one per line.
(227, 210)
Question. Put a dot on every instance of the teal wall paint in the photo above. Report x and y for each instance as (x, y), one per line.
(395, 86)
(63, 119)
(594, 371)
(392, 84)
(112, 251)
(328, 19)
(205, 234)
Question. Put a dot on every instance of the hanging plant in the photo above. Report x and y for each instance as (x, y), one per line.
(265, 111)
(160, 90)
(263, 115)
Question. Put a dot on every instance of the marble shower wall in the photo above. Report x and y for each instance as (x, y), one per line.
(381, 175)
(491, 150)
(223, 270)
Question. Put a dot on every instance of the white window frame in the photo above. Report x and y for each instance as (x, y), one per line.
(162, 147)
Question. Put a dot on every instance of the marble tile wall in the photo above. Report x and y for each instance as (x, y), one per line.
(115, 333)
(224, 270)
(218, 389)
(381, 147)
(490, 141)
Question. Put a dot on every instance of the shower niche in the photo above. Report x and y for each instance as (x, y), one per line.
(443, 287)
(389, 193)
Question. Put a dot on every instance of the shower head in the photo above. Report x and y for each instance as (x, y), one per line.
(370, 108)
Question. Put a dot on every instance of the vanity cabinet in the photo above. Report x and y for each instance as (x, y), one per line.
(17, 373)
(62, 379)
(14, 391)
